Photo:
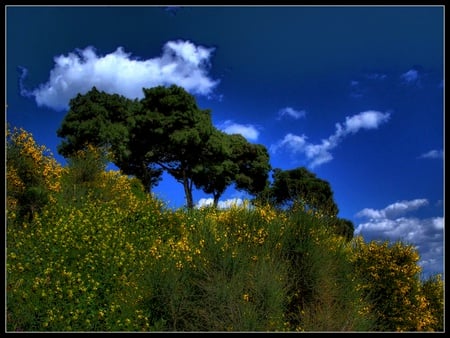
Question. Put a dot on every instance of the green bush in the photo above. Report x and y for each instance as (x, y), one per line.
(117, 259)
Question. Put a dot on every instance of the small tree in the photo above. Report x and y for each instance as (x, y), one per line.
(300, 187)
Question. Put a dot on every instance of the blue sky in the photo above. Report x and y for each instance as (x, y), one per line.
(355, 94)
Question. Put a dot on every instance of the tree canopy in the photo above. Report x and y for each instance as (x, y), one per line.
(164, 131)
(232, 159)
(175, 132)
(107, 121)
(299, 186)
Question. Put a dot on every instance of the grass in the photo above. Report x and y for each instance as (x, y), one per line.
(132, 264)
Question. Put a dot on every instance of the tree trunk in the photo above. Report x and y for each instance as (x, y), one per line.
(216, 199)
(188, 191)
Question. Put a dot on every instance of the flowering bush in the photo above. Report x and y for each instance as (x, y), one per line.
(110, 257)
(390, 275)
(32, 174)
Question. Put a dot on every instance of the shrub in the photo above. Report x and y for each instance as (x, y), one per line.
(32, 175)
(390, 279)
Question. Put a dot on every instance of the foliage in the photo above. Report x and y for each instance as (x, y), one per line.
(83, 172)
(107, 121)
(253, 165)
(343, 227)
(166, 130)
(433, 290)
(301, 187)
(177, 130)
(218, 170)
(228, 159)
(32, 174)
(120, 260)
(323, 295)
(391, 280)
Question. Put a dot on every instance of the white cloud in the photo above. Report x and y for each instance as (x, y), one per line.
(393, 210)
(229, 203)
(294, 143)
(181, 63)
(433, 154)
(426, 234)
(290, 112)
(318, 154)
(366, 120)
(248, 131)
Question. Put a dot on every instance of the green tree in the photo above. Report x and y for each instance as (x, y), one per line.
(175, 131)
(107, 121)
(218, 170)
(343, 227)
(231, 159)
(253, 165)
(166, 130)
(301, 187)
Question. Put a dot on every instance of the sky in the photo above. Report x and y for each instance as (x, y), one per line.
(353, 93)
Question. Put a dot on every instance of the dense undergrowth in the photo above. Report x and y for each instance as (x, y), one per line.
(88, 250)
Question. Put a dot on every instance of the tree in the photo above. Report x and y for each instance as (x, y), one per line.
(344, 227)
(107, 121)
(178, 131)
(301, 187)
(166, 130)
(253, 165)
(228, 159)
(218, 170)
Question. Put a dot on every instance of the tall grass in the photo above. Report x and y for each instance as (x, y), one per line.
(109, 257)
(105, 267)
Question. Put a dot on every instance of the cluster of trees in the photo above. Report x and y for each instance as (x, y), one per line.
(167, 131)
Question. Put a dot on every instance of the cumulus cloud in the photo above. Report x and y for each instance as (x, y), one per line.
(426, 234)
(291, 112)
(248, 131)
(181, 63)
(366, 120)
(394, 209)
(318, 154)
(232, 202)
(433, 154)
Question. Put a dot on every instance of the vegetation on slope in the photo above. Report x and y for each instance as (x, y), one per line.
(91, 250)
